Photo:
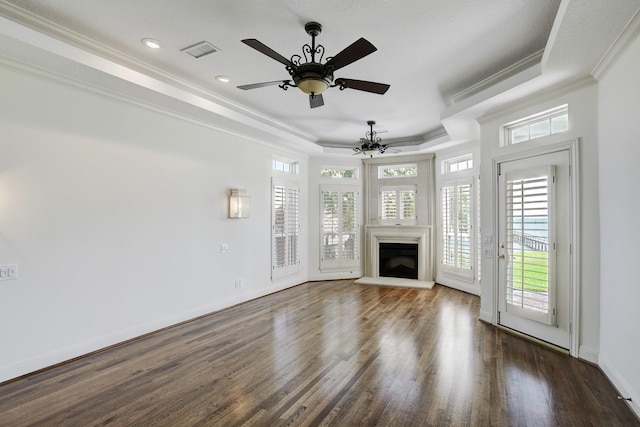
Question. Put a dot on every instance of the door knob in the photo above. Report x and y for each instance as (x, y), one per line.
(502, 256)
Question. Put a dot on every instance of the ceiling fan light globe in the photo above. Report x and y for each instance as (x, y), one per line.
(370, 152)
(313, 86)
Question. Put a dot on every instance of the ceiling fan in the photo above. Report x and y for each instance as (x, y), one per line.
(370, 145)
(312, 76)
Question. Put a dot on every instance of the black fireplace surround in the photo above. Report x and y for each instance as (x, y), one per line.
(398, 260)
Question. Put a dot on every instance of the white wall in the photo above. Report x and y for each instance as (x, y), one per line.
(582, 101)
(115, 215)
(619, 140)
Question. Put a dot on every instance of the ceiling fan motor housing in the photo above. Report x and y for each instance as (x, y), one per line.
(312, 78)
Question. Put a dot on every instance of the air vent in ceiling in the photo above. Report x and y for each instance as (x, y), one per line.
(201, 49)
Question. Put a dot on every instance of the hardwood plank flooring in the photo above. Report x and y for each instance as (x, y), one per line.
(325, 353)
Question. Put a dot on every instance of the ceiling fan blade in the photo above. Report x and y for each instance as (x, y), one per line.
(373, 87)
(263, 48)
(316, 101)
(357, 50)
(264, 84)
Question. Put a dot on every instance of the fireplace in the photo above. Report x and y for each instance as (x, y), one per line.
(398, 260)
(411, 266)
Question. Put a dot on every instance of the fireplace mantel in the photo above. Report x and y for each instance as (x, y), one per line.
(420, 234)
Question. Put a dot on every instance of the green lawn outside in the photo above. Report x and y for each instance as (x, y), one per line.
(530, 270)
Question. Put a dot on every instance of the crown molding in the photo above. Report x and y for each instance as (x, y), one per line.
(524, 64)
(128, 66)
(618, 48)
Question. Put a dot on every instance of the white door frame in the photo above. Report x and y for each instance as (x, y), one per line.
(574, 187)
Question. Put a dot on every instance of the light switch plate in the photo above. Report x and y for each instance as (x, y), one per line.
(8, 271)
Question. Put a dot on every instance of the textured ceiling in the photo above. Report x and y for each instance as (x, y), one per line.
(428, 51)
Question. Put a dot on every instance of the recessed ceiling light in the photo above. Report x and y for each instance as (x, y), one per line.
(151, 43)
(223, 79)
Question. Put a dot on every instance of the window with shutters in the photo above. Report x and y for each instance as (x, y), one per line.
(398, 204)
(285, 228)
(340, 242)
(456, 228)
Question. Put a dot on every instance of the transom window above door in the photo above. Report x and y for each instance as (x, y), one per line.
(545, 123)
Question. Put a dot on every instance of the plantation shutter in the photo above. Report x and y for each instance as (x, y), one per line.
(285, 231)
(448, 226)
(530, 245)
(457, 217)
(407, 204)
(293, 226)
(464, 226)
(398, 204)
(340, 229)
(279, 226)
(350, 228)
(389, 205)
(330, 224)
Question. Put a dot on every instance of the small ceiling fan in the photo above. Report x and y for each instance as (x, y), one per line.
(370, 145)
(312, 76)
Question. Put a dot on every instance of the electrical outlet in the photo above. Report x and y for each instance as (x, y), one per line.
(224, 248)
(239, 283)
(8, 271)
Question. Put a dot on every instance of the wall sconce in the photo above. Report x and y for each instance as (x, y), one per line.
(239, 204)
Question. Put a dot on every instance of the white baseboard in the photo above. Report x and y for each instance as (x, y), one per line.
(335, 275)
(620, 383)
(588, 354)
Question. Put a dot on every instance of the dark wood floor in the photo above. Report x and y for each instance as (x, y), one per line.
(327, 353)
